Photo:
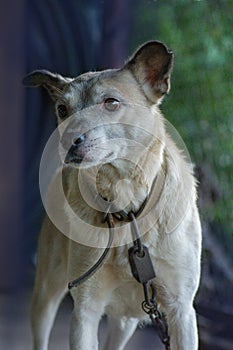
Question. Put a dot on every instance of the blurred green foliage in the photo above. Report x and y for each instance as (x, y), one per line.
(200, 102)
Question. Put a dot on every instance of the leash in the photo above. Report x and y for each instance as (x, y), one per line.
(142, 270)
(109, 219)
(141, 266)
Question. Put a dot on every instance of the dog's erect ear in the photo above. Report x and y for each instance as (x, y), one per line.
(152, 65)
(54, 83)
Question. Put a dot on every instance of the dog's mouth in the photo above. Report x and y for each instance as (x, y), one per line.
(86, 156)
(73, 156)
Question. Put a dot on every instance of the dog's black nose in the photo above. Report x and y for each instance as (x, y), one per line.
(79, 140)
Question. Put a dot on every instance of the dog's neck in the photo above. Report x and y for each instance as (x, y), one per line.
(127, 184)
(122, 183)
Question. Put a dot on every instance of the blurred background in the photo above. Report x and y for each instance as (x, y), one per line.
(71, 37)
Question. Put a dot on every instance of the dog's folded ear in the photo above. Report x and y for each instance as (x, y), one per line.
(152, 65)
(54, 83)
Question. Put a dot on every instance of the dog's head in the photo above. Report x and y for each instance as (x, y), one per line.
(98, 111)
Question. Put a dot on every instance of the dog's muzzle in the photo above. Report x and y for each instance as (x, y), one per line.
(76, 152)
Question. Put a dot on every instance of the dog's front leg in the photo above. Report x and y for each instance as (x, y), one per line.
(120, 331)
(182, 327)
(85, 318)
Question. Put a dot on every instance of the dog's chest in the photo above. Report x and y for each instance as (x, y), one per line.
(119, 262)
(123, 184)
(126, 295)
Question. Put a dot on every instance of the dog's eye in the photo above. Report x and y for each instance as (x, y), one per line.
(111, 104)
(62, 111)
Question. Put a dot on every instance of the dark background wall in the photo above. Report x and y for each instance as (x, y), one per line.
(12, 67)
(68, 37)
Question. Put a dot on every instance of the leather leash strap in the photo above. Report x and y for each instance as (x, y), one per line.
(100, 261)
(140, 262)
(142, 270)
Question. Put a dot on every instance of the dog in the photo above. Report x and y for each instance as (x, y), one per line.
(114, 143)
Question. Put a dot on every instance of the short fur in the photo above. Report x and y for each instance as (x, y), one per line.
(174, 241)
